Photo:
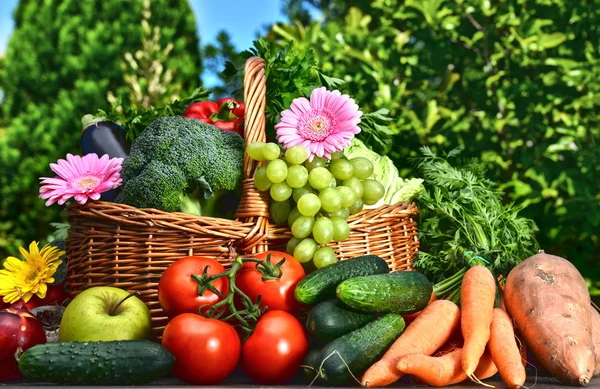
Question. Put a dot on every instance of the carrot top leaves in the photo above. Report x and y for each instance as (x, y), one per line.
(461, 211)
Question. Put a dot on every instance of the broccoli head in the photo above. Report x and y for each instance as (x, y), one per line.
(199, 162)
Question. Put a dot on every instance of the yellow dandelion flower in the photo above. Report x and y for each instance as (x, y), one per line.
(29, 277)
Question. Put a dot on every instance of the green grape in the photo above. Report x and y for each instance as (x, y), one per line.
(277, 171)
(299, 192)
(354, 184)
(294, 214)
(323, 230)
(342, 169)
(279, 211)
(303, 226)
(324, 256)
(373, 191)
(356, 207)
(315, 163)
(331, 200)
(296, 155)
(305, 250)
(319, 178)
(255, 150)
(347, 195)
(271, 151)
(291, 245)
(297, 176)
(363, 168)
(344, 213)
(341, 229)
(309, 204)
(281, 191)
(261, 181)
(337, 155)
(333, 182)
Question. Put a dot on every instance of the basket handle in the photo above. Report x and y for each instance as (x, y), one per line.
(255, 86)
(254, 205)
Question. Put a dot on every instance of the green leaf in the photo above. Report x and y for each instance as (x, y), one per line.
(547, 41)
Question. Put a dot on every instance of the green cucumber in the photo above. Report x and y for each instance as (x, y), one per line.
(309, 366)
(129, 362)
(354, 353)
(320, 285)
(330, 319)
(401, 292)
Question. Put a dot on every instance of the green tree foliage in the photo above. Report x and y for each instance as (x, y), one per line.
(513, 82)
(62, 60)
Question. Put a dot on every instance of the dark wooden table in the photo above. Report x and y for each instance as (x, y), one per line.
(539, 380)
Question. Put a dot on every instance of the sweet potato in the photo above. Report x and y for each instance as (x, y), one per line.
(550, 303)
(596, 338)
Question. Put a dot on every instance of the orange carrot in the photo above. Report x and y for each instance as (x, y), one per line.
(443, 370)
(409, 318)
(430, 330)
(505, 351)
(477, 296)
(434, 371)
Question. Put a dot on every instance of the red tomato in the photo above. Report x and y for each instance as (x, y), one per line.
(178, 291)
(28, 306)
(206, 351)
(20, 330)
(274, 352)
(277, 294)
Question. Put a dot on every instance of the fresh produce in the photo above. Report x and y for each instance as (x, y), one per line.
(227, 114)
(135, 121)
(105, 313)
(20, 330)
(351, 354)
(444, 370)
(505, 351)
(55, 294)
(330, 319)
(272, 275)
(398, 292)
(308, 366)
(273, 353)
(384, 171)
(464, 222)
(321, 285)
(550, 304)
(132, 362)
(206, 350)
(180, 164)
(439, 320)
(180, 288)
(324, 192)
(477, 296)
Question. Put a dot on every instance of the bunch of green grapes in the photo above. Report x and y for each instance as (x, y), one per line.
(315, 198)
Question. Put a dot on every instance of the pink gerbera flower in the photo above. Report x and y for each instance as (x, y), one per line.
(82, 178)
(325, 124)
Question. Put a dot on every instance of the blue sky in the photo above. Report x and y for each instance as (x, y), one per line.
(243, 20)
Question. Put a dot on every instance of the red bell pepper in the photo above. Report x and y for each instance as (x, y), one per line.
(227, 114)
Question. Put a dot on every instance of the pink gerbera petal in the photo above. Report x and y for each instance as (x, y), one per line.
(81, 178)
(324, 125)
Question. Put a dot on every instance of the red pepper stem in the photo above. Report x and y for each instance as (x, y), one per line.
(225, 112)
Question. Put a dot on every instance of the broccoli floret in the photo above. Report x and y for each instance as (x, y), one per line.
(180, 164)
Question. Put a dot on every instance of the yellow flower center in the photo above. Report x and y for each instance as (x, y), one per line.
(87, 182)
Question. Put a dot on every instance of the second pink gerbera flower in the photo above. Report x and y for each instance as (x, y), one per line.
(82, 178)
(324, 125)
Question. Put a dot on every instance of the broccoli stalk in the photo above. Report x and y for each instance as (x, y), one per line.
(202, 201)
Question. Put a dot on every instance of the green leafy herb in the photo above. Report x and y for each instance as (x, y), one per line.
(461, 211)
(135, 121)
(293, 73)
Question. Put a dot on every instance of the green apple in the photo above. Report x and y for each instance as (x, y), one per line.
(105, 313)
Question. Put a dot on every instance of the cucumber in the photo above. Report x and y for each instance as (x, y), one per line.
(309, 366)
(331, 319)
(320, 285)
(129, 362)
(359, 349)
(401, 292)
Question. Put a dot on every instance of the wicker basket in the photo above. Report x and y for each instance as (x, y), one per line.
(118, 245)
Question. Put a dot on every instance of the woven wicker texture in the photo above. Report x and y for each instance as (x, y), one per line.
(118, 245)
